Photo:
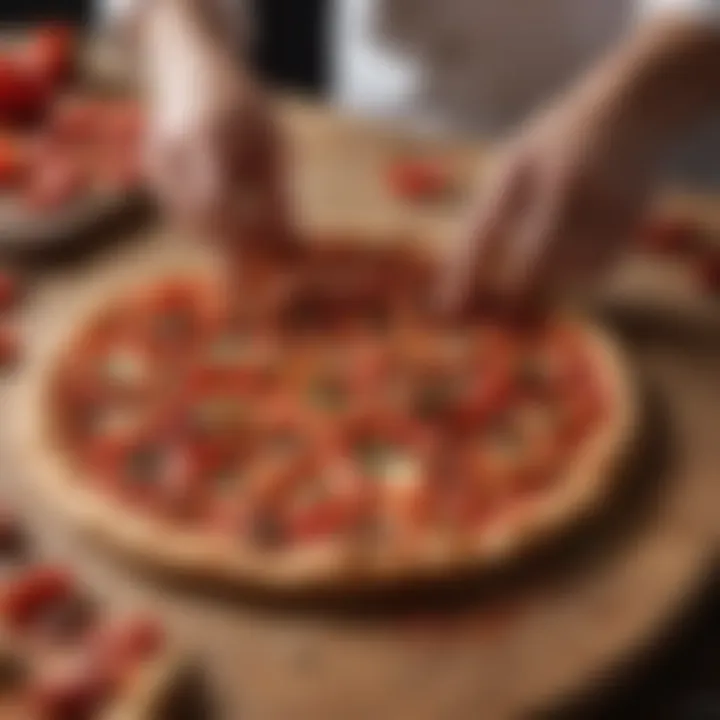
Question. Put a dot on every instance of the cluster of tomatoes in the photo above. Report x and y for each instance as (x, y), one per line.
(64, 657)
(57, 146)
(680, 239)
(33, 72)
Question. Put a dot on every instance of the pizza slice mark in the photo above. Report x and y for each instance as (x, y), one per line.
(173, 326)
(145, 464)
(166, 475)
(388, 463)
(501, 445)
(232, 348)
(110, 421)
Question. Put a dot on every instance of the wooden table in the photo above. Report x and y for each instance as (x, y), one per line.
(486, 648)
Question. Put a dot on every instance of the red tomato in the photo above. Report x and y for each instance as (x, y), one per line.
(23, 95)
(50, 53)
(27, 595)
(709, 271)
(676, 237)
(418, 179)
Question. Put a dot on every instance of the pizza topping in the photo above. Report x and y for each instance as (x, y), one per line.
(285, 443)
(66, 620)
(328, 393)
(215, 415)
(436, 396)
(388, 463)
(267, 531)
(32, 593)
(125, 367)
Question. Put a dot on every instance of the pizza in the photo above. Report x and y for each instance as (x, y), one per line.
(62, 656)
(85, 147)
(329, 431)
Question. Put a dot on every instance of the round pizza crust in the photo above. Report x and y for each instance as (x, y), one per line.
(328, 567)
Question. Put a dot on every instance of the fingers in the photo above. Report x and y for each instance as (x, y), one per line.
(470, 267)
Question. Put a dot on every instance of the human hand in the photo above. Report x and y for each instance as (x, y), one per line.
(214, 153)
(562, 199)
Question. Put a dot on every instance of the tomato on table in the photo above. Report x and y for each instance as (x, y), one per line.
(418, 179)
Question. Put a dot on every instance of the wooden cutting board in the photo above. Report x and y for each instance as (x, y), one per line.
(486, 647)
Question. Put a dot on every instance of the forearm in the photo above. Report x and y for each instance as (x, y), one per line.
(140, 24)
(665, 77)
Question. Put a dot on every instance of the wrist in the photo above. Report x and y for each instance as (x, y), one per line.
(666, 78)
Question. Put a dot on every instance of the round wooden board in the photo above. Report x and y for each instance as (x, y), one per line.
(487, 647)
(505, 644)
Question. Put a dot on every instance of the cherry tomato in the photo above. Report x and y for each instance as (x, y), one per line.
(30, 593)
(23, 95)
(418, 179)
